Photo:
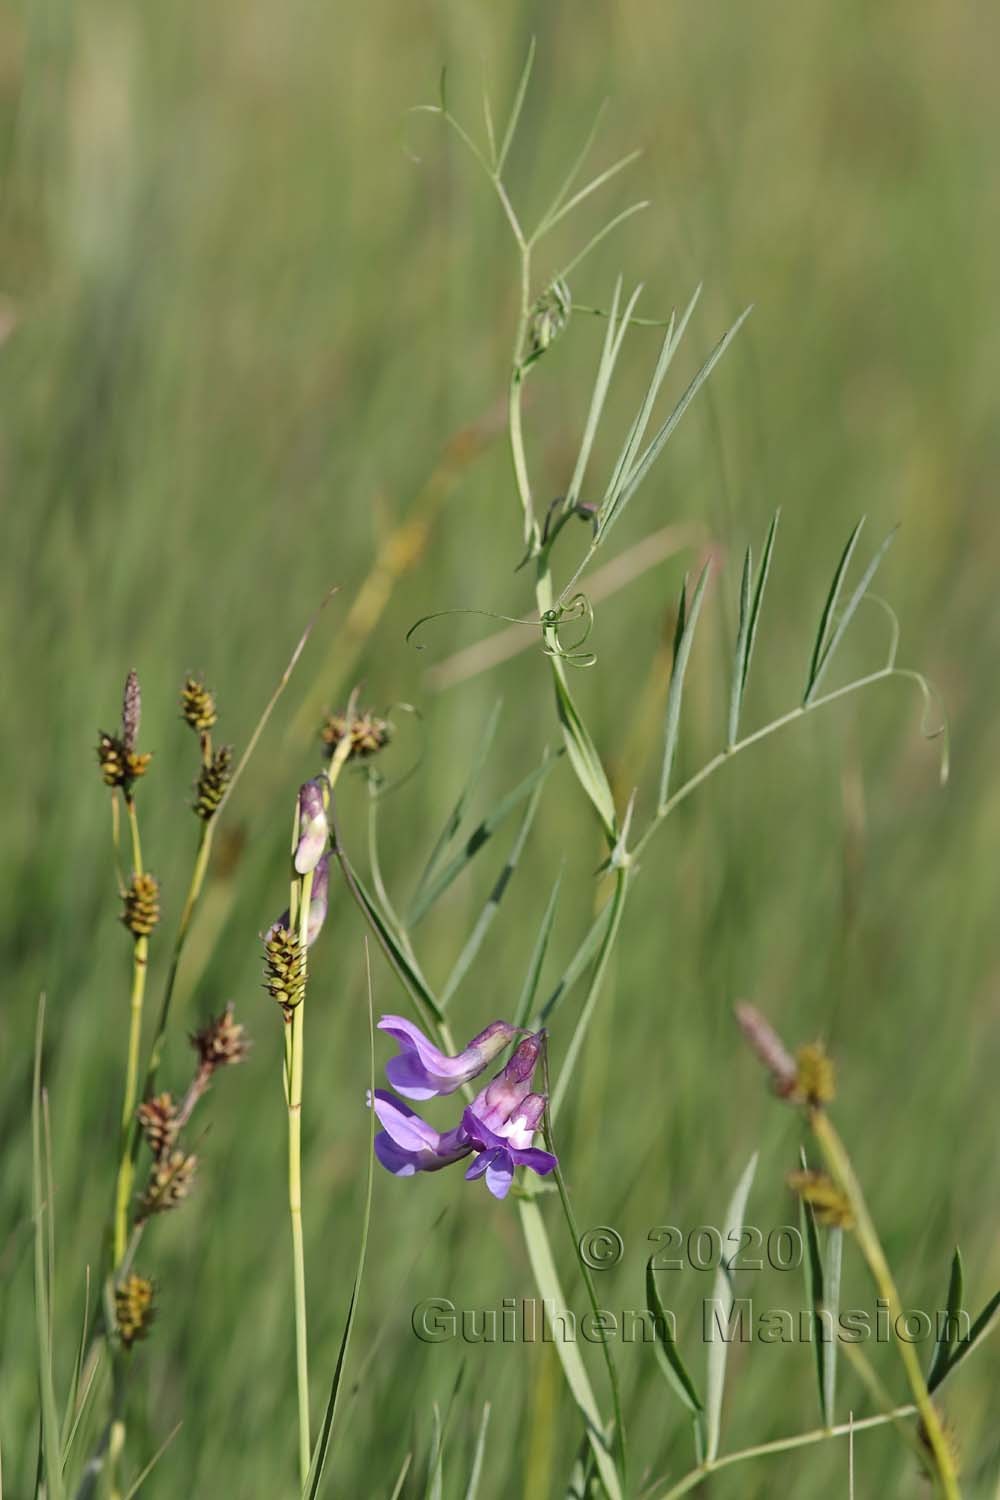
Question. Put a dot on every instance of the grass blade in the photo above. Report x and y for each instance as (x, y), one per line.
(457, 814)
(144, 1474)
(667, 1354)
(531, 980)
(486, 917)
(831, 1307)
(472, 1489)
(638, 473)
(547, 1279)
(50, 1435)
(326, 1430)
(722, 1296)
(978, 1331)
(828, 610)
(583, 755)
(683, 641)
(845, 619)
(742, 636)
(945, 1344)
(758, 596)
(397, 1489)
(479, 836)
(812, 1268)
(516, 107)
(581, 958)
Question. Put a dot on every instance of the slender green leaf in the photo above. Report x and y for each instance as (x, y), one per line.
(390, 944)
(813, 1272)
(566, 186)
(322, 1447)
(614, 336)
(144, 1473)
(591, 187)
(831, 1307)
(667, 1353)
(516, 107)
(74, 1384)
(683, 641)
(742, 636)
(479, 837)
(978, 1331)
(592, 940)
(845, 619)
(401, 1478)
(722, 1297)
(565, 1079)
(435, 1472)
(758, 597)
(457, 814)
(472, 1489)
(602, 233)
(615, 508)
(583, 754)
(947, 1340)
(829, 607)
(547, 1279)
(533, 977)
(50, 1435)
(486, 917)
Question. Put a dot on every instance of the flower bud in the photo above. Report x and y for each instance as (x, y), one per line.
(313, 829)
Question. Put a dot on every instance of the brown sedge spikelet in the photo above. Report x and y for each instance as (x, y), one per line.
(284, 968)
(367, 733)
(198, 705)
(120, 767)
(769, 1048)
(158, 1121)
(170, 1182)
(141, 905)
(222, 1042)
(135, 1308)
(830, 1205)
(212, 783)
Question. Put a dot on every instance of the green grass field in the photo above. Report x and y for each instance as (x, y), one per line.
(257, 324)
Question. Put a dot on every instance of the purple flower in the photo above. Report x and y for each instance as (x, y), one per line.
(499, 1125)
(313, 830)
(421, 1070)
(407, 1144)
(318, 899)
(500, 1151)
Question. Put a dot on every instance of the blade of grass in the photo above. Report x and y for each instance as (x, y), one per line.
(144, 1474)
(583, 754)
(472, 1489)
(831, 1306)
(683, 641)
(547, 1279)
(978, 1331)
(397, 1488)
(669, 1359)
(946, 1342)
(828, 609)
(488, 914)
(813, 1272)
(592, 939)
(845, 619)
(531, 980)
(742, 636)
(457, 814)
(722, 1295)
(74, 1384)
(619, 501)
(322, 1448)
(516, 107)
(479, 836)
(49, 1414)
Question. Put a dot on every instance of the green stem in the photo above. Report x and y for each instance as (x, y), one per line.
(779, 1445)
(123, 1186)
(197, 881)
(302, 888)
(839, 1165)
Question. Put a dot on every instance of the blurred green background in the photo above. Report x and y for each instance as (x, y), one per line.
(256, 319)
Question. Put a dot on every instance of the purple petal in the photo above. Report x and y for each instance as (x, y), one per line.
(395, 1160)
(542, 1162)
(406, 1129)
(480, 1164)
(500, 1174)
(481, 1135)
(423, 1070)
